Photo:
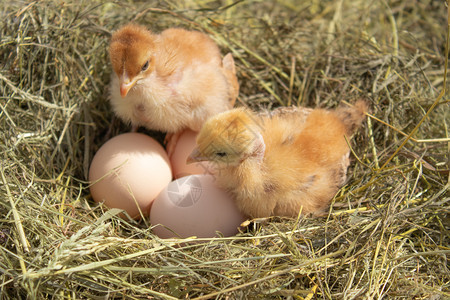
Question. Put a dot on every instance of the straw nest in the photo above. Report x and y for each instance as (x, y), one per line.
(387, 232)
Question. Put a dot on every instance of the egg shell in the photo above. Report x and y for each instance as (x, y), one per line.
(194, 206)
(129, 169)
(185, 144)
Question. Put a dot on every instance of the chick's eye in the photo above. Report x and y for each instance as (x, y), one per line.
(221, 154)
(145, 66)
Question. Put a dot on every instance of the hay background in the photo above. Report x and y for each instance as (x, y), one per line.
(387, 233)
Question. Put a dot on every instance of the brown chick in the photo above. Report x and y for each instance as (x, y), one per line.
(280, 164)
(169, 81)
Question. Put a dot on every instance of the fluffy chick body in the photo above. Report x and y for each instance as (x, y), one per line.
(169, 81)
(280, 164)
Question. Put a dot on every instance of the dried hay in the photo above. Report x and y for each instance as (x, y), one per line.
(387, 232)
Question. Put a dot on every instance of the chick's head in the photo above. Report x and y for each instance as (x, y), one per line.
(131, 52)
(228, 139)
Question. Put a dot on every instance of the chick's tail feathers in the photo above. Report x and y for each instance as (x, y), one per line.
(229, 70)
(352, 116)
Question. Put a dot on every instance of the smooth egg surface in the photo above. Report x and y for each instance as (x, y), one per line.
(194, 206)
(128, 172)
(186, 143)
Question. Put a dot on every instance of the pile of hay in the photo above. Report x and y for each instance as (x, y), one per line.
(386, 234)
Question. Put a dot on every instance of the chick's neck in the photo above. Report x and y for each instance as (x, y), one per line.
(246, 179)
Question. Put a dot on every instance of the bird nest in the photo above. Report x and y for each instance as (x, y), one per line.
(386, 234)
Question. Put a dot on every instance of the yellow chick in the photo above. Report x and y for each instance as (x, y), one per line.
(280, 164)
(169, 81)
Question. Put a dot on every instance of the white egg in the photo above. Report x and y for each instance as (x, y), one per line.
(194, 206)
(128, 172)
(186, 143)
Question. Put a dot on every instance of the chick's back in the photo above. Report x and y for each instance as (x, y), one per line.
(179, 48)
(306, 161)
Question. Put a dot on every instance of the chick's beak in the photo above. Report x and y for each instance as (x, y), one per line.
(195, 156)
(125, 85)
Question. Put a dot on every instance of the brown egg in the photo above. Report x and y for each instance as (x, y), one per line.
(194, 206)
(183, 148)
(128, 172)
